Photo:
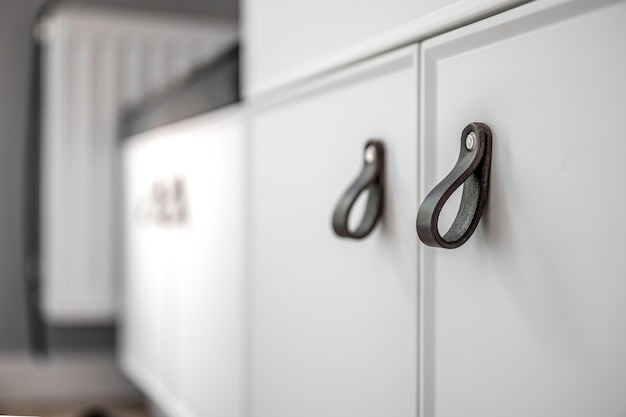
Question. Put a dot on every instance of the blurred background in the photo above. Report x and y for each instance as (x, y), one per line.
(68, 70)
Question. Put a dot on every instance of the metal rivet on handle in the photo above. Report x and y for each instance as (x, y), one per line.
(470, 141)
(370, 154)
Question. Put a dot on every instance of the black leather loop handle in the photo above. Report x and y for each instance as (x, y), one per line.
(471, 171)
(370, 178)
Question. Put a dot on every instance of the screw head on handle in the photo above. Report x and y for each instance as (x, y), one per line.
(470, 141)
(370, 154)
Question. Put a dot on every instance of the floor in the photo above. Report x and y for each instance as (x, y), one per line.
(133, 411)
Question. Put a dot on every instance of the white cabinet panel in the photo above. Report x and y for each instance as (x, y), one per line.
(182, 332)
(210, 328)
(333, 321)
(528, 318)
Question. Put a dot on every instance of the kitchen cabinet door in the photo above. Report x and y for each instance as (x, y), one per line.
(182, 332)
(210, 331)
(151, 269)
(333, 321)
(528, 317)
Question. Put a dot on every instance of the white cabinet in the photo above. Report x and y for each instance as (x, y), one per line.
(333, 321)
(528, 318)
(253, 306)
(182, 335)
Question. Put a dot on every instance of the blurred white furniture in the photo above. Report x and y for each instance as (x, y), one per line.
(97, 61)
(183, 333)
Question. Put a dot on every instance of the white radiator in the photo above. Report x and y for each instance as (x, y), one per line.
(95, 62)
